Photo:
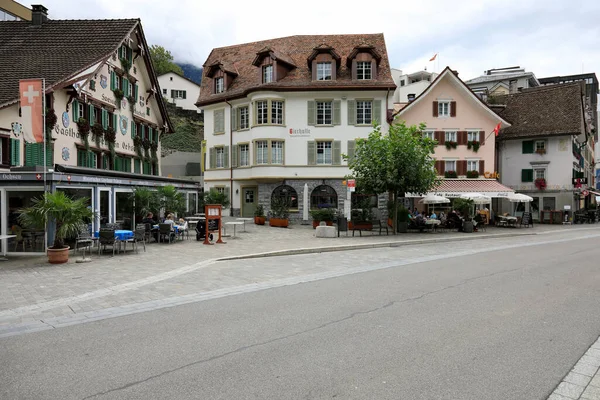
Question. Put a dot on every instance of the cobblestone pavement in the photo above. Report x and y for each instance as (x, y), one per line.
(583, 382)
(34, 293)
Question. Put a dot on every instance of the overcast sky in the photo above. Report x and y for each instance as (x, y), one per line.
(548, 37)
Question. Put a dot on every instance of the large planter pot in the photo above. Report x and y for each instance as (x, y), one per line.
(317, 223)
(58, 256)
(468, 226)
(402, 227)
(390, 222)
(259, 220)
(279, 222)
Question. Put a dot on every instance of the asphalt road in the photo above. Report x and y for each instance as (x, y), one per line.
(498, 325)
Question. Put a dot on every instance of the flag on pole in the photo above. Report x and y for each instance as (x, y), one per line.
(32, 101)
(497, 129)
(433, 58)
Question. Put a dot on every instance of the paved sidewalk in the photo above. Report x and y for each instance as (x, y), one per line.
(583, 382)
(32, 290)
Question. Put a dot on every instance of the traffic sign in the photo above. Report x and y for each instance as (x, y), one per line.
(585, 193)
(352, 185)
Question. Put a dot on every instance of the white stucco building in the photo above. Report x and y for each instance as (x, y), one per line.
(279, 115)
(179, 90)
(410, 86)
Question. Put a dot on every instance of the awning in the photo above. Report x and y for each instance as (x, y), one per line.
(456, 187)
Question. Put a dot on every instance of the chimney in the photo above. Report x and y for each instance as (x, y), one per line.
(411, 97)
(39, 14)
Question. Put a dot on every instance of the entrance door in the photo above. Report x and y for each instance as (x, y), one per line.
(104, 207)
(249, 201)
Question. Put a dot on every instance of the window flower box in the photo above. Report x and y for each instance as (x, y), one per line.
(540, 183)
(451, 145)
(540, 151)
(472, 174)
(473, 145)
(450, 174)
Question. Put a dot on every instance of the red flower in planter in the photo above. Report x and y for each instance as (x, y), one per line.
(540, 183)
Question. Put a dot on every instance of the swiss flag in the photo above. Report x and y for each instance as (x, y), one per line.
(32, 101)
(497, 129)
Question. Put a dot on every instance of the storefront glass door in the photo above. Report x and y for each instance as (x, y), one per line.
(28, 239)
(104, 210)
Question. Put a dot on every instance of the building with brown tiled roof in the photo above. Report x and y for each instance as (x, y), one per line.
(548, 151)
(99, 79)
(279, 114)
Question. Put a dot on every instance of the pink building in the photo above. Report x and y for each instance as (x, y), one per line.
(463, 126)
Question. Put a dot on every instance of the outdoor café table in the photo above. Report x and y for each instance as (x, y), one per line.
(234, 223)
(121, 234)
(433, 222)
(5, 245)
(244, 220)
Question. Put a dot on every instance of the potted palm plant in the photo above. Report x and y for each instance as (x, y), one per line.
(464, 206)
(280, 211)
(259, 215)
(66, 213)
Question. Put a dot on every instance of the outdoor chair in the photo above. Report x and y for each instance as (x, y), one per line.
(84, 238)
(106, 237)
(147, 232)
(377, 222)
(139, 235)
(184, 231)
(165, 232)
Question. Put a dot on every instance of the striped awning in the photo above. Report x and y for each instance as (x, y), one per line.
(456, 187)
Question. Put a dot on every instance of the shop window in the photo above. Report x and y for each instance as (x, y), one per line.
(285, 193)
(323, 196)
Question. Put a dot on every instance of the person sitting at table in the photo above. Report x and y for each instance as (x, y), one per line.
(169, 220)
(433, 215)
(149, 219)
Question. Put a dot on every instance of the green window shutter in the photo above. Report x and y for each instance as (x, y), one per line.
(234, 119)
(115, 122)
(527, 146)
(126, 87)
(351, 147)
(172, 94)
(234, 155)
(312, 113)
(91, 113)
(184, 94)
(212, 155)
(527, 175)
(104, 118)
(75, 110)
(336, 152)
(15, 152)
(150, 133)
(337, 112)
(136, 166)
(112, 80)
(311, 148)
(351, 112)
(226, 157)
(136, 92)
(49, 155)
(376, 116)
(132, 129)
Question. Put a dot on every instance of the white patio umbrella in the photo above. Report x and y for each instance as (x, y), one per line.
(477, 198)
(519, 198)
(434, 199)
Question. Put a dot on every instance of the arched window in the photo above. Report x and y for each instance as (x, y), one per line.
(323, 196)
(286, 193)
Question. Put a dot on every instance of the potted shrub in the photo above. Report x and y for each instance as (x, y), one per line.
(259, 215)
(323, 214)
(280, 211)
(540, 183)
(403, 219)
(451, 145)
(464, 206)
(450, 174)
(67, 214)
(362, 218)
(474, 145)
(472, 174)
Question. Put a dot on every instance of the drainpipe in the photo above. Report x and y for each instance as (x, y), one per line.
(230, 161)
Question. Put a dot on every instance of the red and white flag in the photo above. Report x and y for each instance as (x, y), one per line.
(32, 102)
(497, 129)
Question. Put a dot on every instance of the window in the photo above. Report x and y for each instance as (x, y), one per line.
(267, 73)
(360, 200)
(277, 112)
(178, 94)
(220, 157)
(402, 82)
(363, 112)
(540, 146)
(472, 165)
(262, 112)
(220, 189)
(171, 78)
(244, 121)
(219, 121)
(473, 136)
(164, 91)
(276, 152)
(324, 113)
(148, 111)
(324, 71)
(244, 155)
(323, 196)
(540, 173)
(324, 156)
(429, 134)
(450, 166)
(363, 70)
(219, 85)
(86, 159)
(262, 152)
(81, 107)
(285, 193)
(450, 136)
(443, 108)
(117, 81)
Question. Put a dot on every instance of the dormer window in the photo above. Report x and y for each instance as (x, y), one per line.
(363, 70)
(219, 85)
(323, 71)
(267, 73)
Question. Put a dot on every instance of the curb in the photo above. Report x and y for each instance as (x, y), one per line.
(327, 249)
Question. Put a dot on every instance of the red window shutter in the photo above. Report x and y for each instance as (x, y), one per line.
(453, 109)
(314, 70)
(462, 137)
(354, 69)
(439, 166)
(462, 167)
(441, 137)
(481, 138)
(481, 167)
(373, 69)
(435, 108)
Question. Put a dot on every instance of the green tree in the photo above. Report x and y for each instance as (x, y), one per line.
(162, 60)
(396, 162)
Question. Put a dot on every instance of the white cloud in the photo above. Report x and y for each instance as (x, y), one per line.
(546, 37)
